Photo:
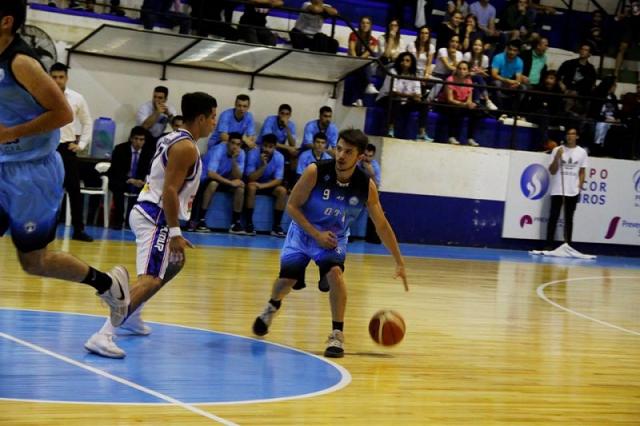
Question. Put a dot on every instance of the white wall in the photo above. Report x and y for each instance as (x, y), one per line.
(115, 88)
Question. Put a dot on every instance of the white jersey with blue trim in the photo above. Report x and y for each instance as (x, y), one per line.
(152, 190)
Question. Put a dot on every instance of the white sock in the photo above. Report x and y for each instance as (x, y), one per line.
(107, 328)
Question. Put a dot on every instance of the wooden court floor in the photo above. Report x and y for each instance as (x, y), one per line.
(482, 346)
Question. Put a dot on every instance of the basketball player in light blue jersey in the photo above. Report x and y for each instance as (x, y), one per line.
(32, 109)
(327, 198)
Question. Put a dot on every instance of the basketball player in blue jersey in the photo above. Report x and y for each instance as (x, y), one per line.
(32, 109)
(329, 195)
(166, 197)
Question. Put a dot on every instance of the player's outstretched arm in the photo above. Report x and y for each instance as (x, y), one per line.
(30, 74)
(385, 232)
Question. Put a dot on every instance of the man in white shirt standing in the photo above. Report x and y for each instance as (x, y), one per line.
(571, 161)
(70, 144)
(155, 114)
(307, 32)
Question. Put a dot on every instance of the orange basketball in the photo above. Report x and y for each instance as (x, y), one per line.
(387, 328)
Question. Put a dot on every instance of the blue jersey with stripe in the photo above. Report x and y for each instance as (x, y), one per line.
(332, 205)
(18, 106)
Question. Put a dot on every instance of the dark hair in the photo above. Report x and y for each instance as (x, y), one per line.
(285, 107)
(176, 118)
(387, 34)
(536, 42)
(243, 97)
(15, 8)
(320, 135)
(602, 89)
(197, 103)
(366, 36)
(514, 43)
(235, 135)
(139, 131)
(371, 147)
(59, 67)
(550, 72)
(161, 89)
(427, 43)
(325, 109)
(413, 68)
(586, 43)
(356, 138)
(269, 138)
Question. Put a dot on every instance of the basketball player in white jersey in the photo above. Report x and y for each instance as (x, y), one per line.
(166, 197)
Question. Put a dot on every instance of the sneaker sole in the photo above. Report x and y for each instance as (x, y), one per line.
(331, 354)
(123, 331)
(97, 351)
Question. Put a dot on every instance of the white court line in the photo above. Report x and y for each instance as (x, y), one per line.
(345, 379)
(119, 380)
(541, 295)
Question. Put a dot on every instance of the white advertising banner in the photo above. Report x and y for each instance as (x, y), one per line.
(608, 210)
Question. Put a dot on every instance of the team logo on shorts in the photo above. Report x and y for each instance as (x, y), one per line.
(30, 227)
(353, 201)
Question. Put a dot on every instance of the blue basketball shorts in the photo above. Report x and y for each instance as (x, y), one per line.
(30, 197)
(299, 248)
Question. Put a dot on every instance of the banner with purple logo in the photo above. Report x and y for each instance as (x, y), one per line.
(608, 210)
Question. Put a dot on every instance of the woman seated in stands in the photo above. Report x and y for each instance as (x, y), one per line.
(479, 71)
(448, 59)
(459, 101)
(423, 50)
(365, 46)
(391, 45)
(470, 32)
(405, 95)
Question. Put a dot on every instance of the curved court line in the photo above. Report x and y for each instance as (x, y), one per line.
(120, 380)
(344, 373)
(541, 295)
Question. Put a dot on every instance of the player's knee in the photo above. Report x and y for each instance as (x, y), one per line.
(252, 186)
(212, 186)
(335, 273)
(281, 191)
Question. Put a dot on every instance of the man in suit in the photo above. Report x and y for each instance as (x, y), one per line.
(129, 166)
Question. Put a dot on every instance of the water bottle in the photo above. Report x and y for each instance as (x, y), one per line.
(104, 131)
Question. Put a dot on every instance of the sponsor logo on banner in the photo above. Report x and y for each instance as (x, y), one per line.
(636, 186)
(525, 220)
(613, 227)
(617, 222)
(534, 182)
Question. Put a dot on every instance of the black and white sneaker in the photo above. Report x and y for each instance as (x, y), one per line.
(117, 297)
(263, 321)
(250, 230)
(277, 231)
(237, 229)
(335, 345)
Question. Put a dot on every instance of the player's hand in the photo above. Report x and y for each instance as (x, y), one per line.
(176, 249)
(4, 135)
(162, 108)
(400, 272)
(327, 239)
(237, 183)
(559, 152)
(264, 157)
(73, 147)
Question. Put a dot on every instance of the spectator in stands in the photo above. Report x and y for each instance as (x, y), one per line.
(486, 15)
(370, 165)
(631, 117)
(423, 50)
(223, 167)
(130, 165)
(255, 15)
(631, 34)
(577, 77)
(506, 71)
(265, 173)
(449, 29)
(456, 5)
(534, 62)
(571, 161)
(317, 153)
(90, 5)
(518, 21)
(551, 107)
(236, 120)
(448, 59)
(160, 11)
(391, 44)
(322, 125)
(471, 32)
(605, 111)
(460, 101)
(594, 33)
(307, 32)
(155, 114)
(404, 96)
(364, 77)
(70, 144)
(479, 72)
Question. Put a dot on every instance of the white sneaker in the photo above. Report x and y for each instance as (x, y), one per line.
(102, 344)
(491, 105)
(335, 344)
(117, 297)
(134, 325)
(371, 90)
(454, 141)
(472, 142)
(263, 321)
(358, 103)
